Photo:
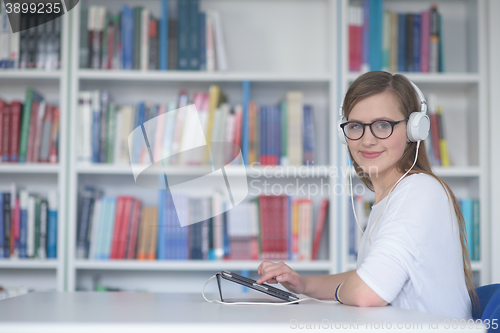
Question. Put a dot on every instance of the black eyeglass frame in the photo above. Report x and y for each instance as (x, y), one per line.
(393, 123)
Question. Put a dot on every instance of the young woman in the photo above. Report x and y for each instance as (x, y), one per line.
(413, 253)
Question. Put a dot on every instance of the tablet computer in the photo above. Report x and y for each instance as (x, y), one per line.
(250, 283)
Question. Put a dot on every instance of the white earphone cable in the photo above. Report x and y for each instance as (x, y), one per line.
(387, 199)
(257, 303)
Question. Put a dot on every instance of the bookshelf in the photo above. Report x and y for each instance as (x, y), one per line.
(302, 46)
(39, 178)
(462, 91)
(284, 64)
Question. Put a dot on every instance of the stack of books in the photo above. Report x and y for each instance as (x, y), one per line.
(281, 134)
(395, 42)
(181, 38)
(29, 130)
(266, 227)
(37, 47)
(28, 224)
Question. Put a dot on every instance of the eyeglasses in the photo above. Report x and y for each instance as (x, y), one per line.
(381, 129)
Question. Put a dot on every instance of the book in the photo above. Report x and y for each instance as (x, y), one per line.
(32, 97)
(319, 227)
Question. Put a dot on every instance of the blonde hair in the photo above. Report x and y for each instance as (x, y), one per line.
(376, 82)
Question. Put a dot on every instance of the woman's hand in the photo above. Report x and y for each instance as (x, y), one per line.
(279, 272)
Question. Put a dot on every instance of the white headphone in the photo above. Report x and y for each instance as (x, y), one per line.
(417, 127)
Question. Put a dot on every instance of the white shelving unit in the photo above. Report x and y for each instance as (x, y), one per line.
(293, 55)
(39, 178)
(462, 90)
(278, 46)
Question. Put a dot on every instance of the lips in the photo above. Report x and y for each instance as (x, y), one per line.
(370, 154)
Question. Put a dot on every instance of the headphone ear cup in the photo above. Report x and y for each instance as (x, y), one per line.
(340, 132)
(418, 126)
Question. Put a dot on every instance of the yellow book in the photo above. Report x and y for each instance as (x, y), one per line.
(213, 103)
(143, 235)
(153, 233)
(443, 145)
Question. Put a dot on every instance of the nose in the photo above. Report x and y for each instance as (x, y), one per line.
(368, 139)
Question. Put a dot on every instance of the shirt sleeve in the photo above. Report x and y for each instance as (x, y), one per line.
(389, 263)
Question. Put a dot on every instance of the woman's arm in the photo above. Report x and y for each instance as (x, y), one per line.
(354, 291)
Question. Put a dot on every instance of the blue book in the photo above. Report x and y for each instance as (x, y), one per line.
(203, 40)
(245, 142)
(2, 227)
(110, 224)
(226, 243)
(183, 34)
(308, 131)
(402, 66)
(263, 136)
(101, 228)
(162, 227)
(277, 133)
(127, 31)
(469, 224)
(164, 35)
(52, 226)
(23, 223)
(375, 34)
(417, 18)
(139, 140)
(366, 30)
(194, 35)
(476, 232)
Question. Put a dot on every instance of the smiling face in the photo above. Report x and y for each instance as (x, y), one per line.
(378, 157)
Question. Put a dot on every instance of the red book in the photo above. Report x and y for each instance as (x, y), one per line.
(237, 133)
(320, 224)
(136, 217)
(117, 229)
(295, 229)
(264, 223)
(15, 121)
(42, 110)
(54, 133)
(435, 137)
(14, 228)
(425, 27)
(122, 236)
(285, 211)
(32, 128)
(355, 38)
(355, 47)
(2, 104)
(6, 132)
(108, 63)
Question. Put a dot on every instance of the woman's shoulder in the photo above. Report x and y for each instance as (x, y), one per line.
(424, 187)
(422, 181)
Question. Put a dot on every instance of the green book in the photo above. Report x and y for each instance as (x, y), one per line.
(137, 36)
(37, 226)
(31, 96)
(111, 126)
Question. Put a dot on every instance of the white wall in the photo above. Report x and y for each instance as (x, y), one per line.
(494, 107)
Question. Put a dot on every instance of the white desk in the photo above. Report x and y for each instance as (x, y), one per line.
(148, 312)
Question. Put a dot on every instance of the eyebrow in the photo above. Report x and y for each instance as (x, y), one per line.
(380, 118)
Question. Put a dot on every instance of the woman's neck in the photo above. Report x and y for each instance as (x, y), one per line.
(382, 184)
